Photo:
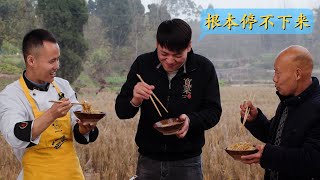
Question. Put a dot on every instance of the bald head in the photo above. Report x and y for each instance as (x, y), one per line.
(293, 69)
(298, 57)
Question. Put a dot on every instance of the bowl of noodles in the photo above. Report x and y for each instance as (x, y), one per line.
(87, 114)
(240, 149)
(168, 126)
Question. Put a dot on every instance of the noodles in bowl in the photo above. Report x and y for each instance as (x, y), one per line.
(239, 149)
(242, 146)
(87, 114)
(86, 107)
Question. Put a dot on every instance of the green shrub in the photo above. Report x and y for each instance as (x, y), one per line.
(222, 83)
(116, 80)
(6, 68)
(7, 48)
(84, 81)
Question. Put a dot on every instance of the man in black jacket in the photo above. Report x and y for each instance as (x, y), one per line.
(292, 136)
(187, 84)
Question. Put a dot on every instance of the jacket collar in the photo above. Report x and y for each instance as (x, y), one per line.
(31, 85)
(295, 100)
(188, 66)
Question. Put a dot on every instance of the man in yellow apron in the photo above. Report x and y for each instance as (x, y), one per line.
(41, 133)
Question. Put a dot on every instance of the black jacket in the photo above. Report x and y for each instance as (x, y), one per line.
(298, 156)
(201, 104)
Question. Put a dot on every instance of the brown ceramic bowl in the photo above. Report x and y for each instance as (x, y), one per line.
(168, 126)
(89, 117)
(235, 154)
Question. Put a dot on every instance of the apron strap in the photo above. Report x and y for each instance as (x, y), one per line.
(28, 96)
(30, 99)
(61, 94)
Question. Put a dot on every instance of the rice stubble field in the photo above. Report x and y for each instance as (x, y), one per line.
(113, 156)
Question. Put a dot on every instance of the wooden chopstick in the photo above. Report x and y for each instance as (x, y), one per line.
(154, 95)
(153, 100)
(160, 102)
(74, 103)
(246, 113)
(155, 105)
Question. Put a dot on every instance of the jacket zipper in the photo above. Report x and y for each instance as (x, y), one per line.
(168, 97)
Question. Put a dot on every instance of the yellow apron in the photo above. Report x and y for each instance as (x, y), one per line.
(54, 157)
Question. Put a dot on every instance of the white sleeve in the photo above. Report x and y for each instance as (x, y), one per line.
(37, 139)
(12, 111)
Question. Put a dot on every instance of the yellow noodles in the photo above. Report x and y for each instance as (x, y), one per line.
(242, 146)
(86, 107)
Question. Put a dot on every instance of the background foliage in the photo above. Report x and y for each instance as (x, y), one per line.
(100, 39)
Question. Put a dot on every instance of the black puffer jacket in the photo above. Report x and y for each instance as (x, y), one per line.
(298, 156)
(194, 91)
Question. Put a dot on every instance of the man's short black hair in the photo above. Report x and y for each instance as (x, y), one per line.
(175, 35)
(34, 39)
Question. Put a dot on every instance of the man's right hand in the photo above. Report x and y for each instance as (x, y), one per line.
(141, 92)
(58, 110)
(253, 113)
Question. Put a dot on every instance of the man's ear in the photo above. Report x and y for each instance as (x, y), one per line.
(30, 60)
(298, 73)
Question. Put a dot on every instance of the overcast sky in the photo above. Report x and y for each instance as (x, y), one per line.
(251, 3)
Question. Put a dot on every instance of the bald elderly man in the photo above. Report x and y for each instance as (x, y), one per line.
(292, 137)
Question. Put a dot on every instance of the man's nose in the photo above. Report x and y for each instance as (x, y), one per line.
(170, 60)
(57, 66)
(274, 79)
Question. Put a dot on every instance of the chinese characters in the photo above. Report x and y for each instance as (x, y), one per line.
(212, 21)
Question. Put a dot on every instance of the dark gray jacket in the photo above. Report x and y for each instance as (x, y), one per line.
(199, 99)
(298, 156)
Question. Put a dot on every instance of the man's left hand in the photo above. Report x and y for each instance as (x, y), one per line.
(86, 127)
(253, 158)
(185, 127)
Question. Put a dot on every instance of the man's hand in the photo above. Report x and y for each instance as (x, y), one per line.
(58, 110)
(141, 91)
(185, 127)
(253, 113)
(253, 158)
(86, 127)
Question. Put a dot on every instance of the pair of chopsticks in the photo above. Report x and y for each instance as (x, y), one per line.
(246, 113)
(154, 104)
(74, 103)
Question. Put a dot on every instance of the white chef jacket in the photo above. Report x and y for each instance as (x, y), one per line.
(15, 108)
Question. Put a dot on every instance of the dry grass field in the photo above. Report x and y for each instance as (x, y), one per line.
(113, 156)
